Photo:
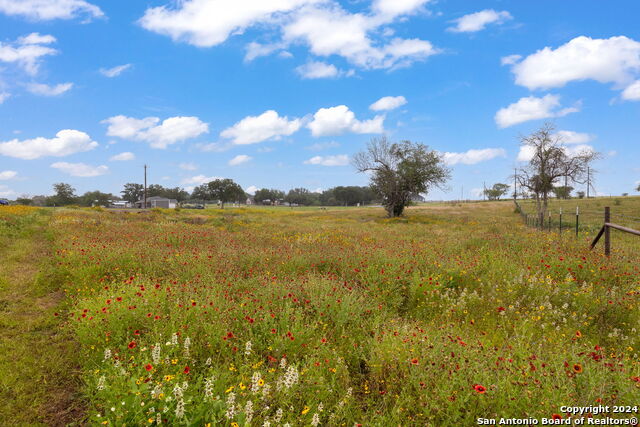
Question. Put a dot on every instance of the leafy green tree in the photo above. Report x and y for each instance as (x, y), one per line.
(64, 195)
(400, 170)
(272, 195)
(563, 192)
(225, 191)
(497, 191)
(638, 189)
(26, 201)
(580, 194)
(132, 192)
(95, 198)
(302, 196)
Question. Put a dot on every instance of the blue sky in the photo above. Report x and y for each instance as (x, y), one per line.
(281, 94)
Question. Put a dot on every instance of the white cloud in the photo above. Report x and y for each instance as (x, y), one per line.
(66, 142)
(150, 130)
(4, 96)
(317, 70)
(255, 129)
(614, 60)
(338, 120)
(27, 51)
(388, 103)
(6, 175)
(339, 160)
(207, 23)
(215, 147)
(199, 179)
(632, 92)
(323, 25)
(532, 108)
(571, 137)
(46, 90)
(478, 21)
(44, 10)
(6, 191)
(473, 157)
(123, 157)
(115, 71)
(80, 169)
(510, 60)
(323, 146)
(251, 189)
(188, 166)
(239, 159)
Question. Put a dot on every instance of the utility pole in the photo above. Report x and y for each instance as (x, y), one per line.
(484, 193)
(145, 186)
(588, 180)
(461, 193)
(515, 183)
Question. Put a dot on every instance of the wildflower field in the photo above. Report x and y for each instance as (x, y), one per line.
(273, 317)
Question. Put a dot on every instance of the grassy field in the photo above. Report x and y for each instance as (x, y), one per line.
(325, 317)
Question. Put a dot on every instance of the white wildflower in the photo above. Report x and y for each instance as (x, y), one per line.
(266, 423)
(177, 391)
(180, 408)
(283, 363)
(174, 339)
(320, 407)
(290, 377)
(231, 406)
(315, 420)
(248, 411)
(278, 415)
(158, 418)
(208, 362)
(208, 388)
(155, 353)
(107, 354)
(255, 381)
(101, 381)
(157, 391)
(266, 389)
(247, 348)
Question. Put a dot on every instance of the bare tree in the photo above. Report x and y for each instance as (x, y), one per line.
(400, 171)
(551, 162)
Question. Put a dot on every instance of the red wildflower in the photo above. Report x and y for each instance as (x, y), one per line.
(186, 370)
(556, 417)
(480, 389)
(132, 344)
(414, 361)
(148, 367)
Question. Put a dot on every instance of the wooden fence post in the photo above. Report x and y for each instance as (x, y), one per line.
(560, 220)
(577, 219)
(607, 231)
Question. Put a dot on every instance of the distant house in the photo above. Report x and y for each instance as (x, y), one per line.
(250, 200)
(120, 204)
(157, 202)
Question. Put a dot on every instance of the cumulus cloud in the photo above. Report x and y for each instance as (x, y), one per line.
(123, 157)
(199, 179)
(156, 134)
(188, 166)
(614, 60)
(388, 103)
(473, 157)
(338, 120)
(6, 175)
(44, 10)
(510, 59)
(571, 137)
(532, 108)
(28, 51)
(338, 160)
(115, 71)
(317, 70)
(323, 146)
(251, 189)
(4, 96)
(322, 25)
(255, 129)
(632, 92)
(46, 90)
(66, 142)
(80, 169)
(239, 159)
(478, 21)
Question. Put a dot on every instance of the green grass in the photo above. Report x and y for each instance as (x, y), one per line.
(453, 312)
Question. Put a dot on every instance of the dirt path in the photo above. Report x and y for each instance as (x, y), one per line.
(38, 366)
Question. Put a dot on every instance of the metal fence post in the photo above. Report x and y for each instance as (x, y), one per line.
(560, 220)
(577, 219)
(549, 221)
(607, 231)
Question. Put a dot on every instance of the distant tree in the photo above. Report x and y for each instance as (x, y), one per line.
(225, 191)
(400, 170)
(177, 193)
(549, 163)
(64, 195)
(638, 189)
(301, 196)
(563, 192)
(625, 194)
(96, 198)
(580, 194)
(498, 190)
(132, 192)
(24, 200)
(272, 195)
